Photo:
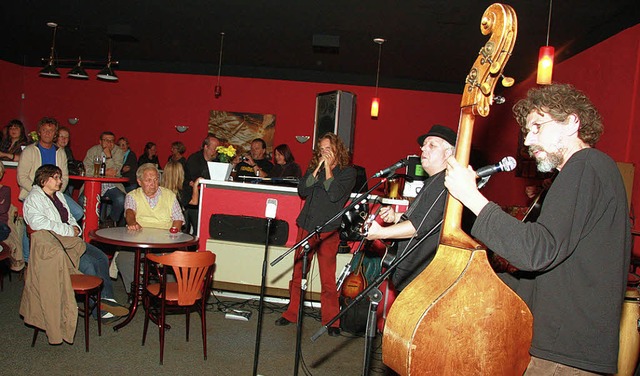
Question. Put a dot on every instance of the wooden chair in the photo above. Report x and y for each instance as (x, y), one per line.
(89, 287)
(193, 273)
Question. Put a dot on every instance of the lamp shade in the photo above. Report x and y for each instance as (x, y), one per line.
(375, 106)
(78, 72)
(107, 74)
(50, 71)
(545, 65)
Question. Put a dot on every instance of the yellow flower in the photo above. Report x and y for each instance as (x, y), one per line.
(226, 153)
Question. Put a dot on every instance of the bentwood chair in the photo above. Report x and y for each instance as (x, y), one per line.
(89, 287)
(193, 273)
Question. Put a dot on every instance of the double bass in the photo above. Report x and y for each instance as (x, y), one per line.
(457, 317)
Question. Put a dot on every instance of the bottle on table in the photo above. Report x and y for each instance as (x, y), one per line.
(103, 166)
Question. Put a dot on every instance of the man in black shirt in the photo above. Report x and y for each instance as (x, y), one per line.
(255, 163)
(195, 168)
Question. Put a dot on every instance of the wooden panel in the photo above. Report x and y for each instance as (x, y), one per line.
(627, 172)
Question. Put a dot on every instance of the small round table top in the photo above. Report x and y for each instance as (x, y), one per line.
(146, 238)
(102, 179)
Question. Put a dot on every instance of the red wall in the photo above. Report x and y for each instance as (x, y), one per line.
(146, 106)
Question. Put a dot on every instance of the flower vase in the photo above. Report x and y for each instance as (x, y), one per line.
(219, 170)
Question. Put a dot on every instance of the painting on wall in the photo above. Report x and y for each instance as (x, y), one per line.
(240, 128)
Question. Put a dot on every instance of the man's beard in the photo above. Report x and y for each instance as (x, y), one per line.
(552, 159)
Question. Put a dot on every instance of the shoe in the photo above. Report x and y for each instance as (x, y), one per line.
(113, 307)
(334, 331)
(108, 318)
(283, 322)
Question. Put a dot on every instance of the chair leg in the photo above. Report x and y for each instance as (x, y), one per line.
(161, 325)
(146, 318)
(35, 336)
(187, 322)
(97, 308)
(203, 322)
(86, 321)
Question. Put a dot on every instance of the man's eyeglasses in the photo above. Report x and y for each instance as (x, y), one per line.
(108, 140)
(535, 128)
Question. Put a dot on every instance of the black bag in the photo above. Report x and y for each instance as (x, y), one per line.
(75, 167)
(245, 229)
(354, 320)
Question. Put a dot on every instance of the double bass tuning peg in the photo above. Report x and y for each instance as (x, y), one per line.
(507, 81)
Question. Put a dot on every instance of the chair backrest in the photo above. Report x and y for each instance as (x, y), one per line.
(193, 272)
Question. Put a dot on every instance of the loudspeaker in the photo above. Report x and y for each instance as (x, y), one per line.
(245, 229)
(336, 113)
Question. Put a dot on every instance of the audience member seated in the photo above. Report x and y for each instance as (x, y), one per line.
(14, 138)
(5, 204)
(173, 179)
(177, 153)
(285, 165)
(148, 206)
(114, 158)
(129, 166)
(255, 163)
(149, 155)
(62, 142)
(197, 168)
(45, 209)
(38, 154)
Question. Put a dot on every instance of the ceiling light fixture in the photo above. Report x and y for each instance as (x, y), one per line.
(50, 70)
(78, 71)
(107, 72)
(545, 57)
(218, 89)
(375, 103)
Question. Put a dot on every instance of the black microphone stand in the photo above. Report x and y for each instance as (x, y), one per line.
(256, 353)
(306, 250)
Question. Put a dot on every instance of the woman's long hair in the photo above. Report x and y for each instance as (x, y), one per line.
(173, 177)
(341, 152)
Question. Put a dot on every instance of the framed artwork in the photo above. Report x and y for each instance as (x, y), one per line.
(240, 128)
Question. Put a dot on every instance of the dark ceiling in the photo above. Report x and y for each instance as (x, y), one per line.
(430, 44)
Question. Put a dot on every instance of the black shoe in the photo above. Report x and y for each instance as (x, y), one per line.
(333, 331)
(283, 322)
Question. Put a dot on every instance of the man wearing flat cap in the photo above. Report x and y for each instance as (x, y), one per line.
(424, 213)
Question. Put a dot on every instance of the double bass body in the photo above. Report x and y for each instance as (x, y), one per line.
(457, 317)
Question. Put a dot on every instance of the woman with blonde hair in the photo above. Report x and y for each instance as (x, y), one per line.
(173, 178)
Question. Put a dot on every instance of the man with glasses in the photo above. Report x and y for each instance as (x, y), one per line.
(576, 254)
(40, 153)
(148, 206)
(114, 158)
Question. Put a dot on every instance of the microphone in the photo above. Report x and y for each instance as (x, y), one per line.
(401, 163)
(506, 164)
(272, 207)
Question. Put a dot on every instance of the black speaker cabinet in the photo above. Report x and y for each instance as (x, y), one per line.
(335, 112)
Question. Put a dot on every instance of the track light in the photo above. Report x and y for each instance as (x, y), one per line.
(50, 70)
(78, 71)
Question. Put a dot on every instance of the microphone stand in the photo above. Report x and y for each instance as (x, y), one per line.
(375, 296)
(256, 354)
(306, 248)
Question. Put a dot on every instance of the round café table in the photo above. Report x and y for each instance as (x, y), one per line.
(140, 242)
(93, 192)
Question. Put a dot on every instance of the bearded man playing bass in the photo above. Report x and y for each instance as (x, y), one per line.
(578, 249)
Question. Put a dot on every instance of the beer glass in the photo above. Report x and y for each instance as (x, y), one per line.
(97, 161)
